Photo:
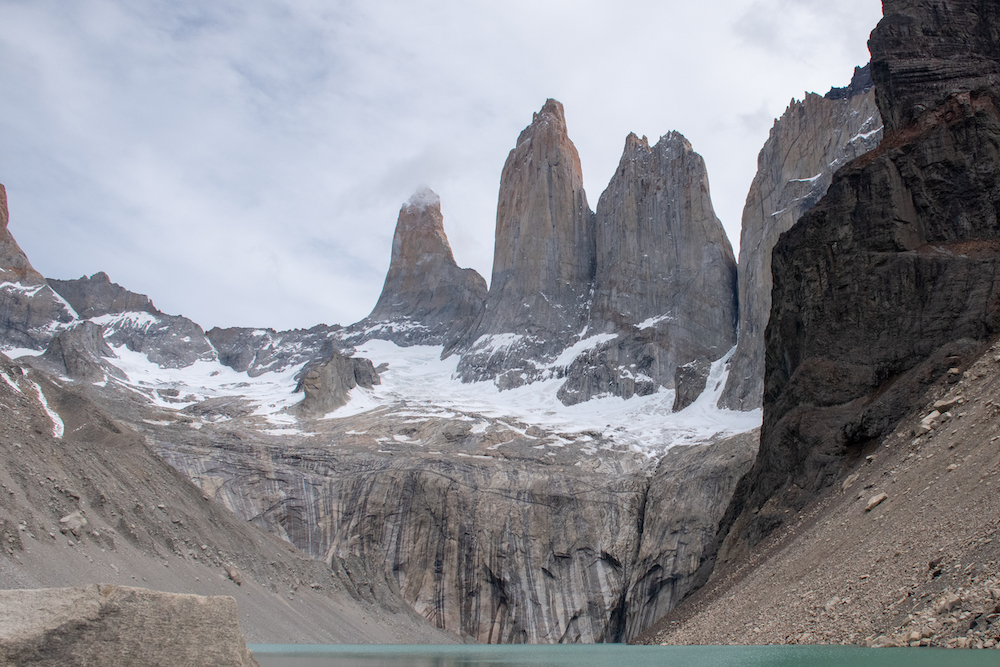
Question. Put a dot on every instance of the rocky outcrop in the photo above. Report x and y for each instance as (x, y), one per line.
(259, 351)
(130, 319)
(97, 295)
(893, 278)
(543, 263)
(30, 312)
(326, 385)
(689, 382)
(688, 495)
(665, 276)
(116, 625)
(79, 353)
(811, 140)
(611, 302)
(426, 299)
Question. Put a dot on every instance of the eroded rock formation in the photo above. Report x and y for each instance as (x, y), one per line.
(426, 299)
(326, 385)
(894, 277)
(811, 140)
(484, 534)
(665, 276)
(543, 262)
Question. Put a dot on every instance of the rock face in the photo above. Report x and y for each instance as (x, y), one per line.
(485, 536)
(326, 385)
(894, 277)
(79, 353)
(97, 295)
(30, 312)
(613, 302)
(14, 264)
(130, 319)
(116, 625)
(665, 276)
(811, 140)
(543, 263)
(259, 351)
(426, 299)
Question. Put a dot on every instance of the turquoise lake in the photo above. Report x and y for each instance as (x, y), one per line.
(614, 655)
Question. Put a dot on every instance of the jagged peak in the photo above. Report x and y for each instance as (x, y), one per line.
(423, 198)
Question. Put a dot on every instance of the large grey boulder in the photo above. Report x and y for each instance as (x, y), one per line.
(78, 353)
(327, 385)
(118, 626)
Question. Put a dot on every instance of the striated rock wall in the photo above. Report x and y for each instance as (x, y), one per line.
(500, 545)
(893, 278)
(811, 140)
(426, 299)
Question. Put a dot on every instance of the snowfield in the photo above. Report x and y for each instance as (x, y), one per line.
(420, 385)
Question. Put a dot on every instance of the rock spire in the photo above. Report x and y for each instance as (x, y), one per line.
(426, 297)
(543, 263)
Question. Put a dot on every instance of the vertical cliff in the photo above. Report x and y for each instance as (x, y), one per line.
(543, 262)
(811, 140)
(426, 299)
(893, 279)
(665, 276)
(30, 312)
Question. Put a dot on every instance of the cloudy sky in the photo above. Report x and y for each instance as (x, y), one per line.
(242, 162)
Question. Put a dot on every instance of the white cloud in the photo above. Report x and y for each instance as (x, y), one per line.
(243, 162)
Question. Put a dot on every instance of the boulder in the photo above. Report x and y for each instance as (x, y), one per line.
(116, 626)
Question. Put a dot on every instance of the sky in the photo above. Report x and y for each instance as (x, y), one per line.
(243, 162)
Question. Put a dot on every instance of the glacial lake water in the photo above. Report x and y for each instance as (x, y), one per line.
(615, 655)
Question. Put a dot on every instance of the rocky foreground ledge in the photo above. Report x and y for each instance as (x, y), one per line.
(109, 625)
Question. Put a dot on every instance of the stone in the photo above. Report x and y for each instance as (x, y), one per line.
(234, 574)
(117, 626)
(97, 295)
(72, 523)
(851, 479)
(875, 501)
(426, 299)
(806, 146)
(326, 385)
(689, 382)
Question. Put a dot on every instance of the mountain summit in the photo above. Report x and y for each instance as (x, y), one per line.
(426, 297)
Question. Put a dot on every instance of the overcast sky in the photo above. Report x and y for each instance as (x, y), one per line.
(242, 162)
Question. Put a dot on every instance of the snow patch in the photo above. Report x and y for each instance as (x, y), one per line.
(493, 343)
(585, 345)
(58, 428)
(808, 180)
(424, 197)
(653, 321)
